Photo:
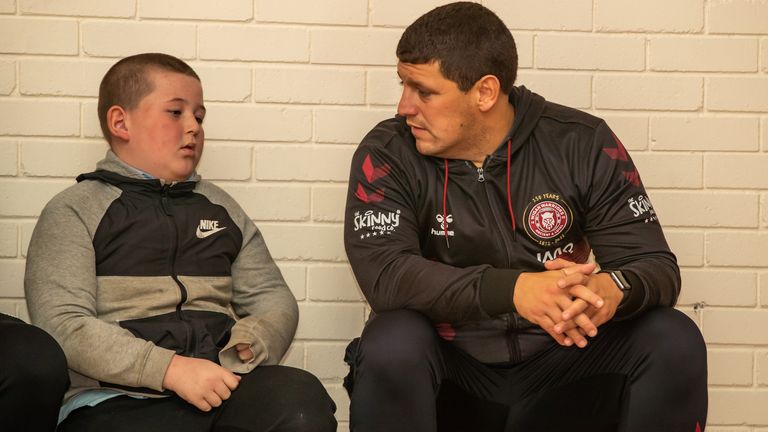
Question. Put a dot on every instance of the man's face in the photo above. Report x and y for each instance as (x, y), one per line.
(441, 116)
(166, 128)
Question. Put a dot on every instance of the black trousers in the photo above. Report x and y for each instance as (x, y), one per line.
(268, 399)
(33, 377)
(646, 374)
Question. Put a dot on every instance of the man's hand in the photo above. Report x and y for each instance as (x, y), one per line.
(200, 382)
(580, 310)
(542, 297)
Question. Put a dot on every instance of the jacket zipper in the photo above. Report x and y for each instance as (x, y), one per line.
(513, 342)
(174, 246)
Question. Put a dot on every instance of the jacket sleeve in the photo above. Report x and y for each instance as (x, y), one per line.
(381, 236)
(623, 228)
(266, 308)
(61, 289)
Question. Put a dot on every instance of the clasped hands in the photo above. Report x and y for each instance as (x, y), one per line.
(568, 300)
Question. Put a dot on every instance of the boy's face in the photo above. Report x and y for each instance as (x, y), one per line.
(166, 127)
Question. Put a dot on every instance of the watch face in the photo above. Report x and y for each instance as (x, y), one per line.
(620, 280)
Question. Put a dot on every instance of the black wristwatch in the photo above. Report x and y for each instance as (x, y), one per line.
(618, 278)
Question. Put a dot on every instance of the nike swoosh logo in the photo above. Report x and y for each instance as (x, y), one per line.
(204, 234)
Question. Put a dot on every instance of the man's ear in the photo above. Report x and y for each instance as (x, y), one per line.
(117, 122)
(488, 90)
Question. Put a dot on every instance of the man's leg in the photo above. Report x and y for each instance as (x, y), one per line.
(660, 356)
(399, 368)
(33, 377)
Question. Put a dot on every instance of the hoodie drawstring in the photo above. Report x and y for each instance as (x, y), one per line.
(509, 195)
(445, 203)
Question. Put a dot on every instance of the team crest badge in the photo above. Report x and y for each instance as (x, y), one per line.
(547, 219)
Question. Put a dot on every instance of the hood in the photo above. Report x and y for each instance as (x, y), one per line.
(114, 171)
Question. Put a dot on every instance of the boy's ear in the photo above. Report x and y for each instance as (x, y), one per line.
(117, 122)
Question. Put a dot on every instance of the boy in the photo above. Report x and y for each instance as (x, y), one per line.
(158, 286)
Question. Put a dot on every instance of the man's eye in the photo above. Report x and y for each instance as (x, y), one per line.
(199, 119)
(424, 93)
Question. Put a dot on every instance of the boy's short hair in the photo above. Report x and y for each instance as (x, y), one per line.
(125, 84)
(467, 40)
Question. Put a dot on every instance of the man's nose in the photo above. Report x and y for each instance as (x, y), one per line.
(406, 107)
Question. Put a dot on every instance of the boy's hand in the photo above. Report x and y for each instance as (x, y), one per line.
(244, 351)
(200, 382)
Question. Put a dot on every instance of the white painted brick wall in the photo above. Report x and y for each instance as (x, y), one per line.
(291, 87)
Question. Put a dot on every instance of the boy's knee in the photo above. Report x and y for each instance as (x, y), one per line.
(305, 403)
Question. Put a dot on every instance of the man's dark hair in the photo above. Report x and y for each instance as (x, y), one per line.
(467, 39)
(126, 83)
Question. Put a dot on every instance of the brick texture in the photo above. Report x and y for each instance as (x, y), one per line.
(631, 130)
(669, 170)
(353, 46)
(738, 407)
(89, 8)
(729, 367)
(342, 12)
(738, 94)
(572, 89)
(399, 13)
(710, 209)
(718, 287)
(7, 77)
(544, 14)
(317, 85)
(9, 243)
(738, 54)
(704, 133)
(688, 246)
(60, 158)
(736, 171)
(61, 77)
(120, 39)
(233, 10)
(737, 248)
(292, 87)
(9, 157)
(664, 93)
(555, 51)
(738, 16)
(38, 36)
(25, 117)
(215, 42)
(650, 16)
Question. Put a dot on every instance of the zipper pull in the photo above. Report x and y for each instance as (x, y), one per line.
(480, 175)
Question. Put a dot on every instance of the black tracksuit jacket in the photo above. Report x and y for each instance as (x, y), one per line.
(453, 249)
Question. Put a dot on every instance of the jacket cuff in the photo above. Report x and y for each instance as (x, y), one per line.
(635, 302)
(497, 286)
(157, 365)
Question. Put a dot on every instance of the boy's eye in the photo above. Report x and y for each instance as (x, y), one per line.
(175, 112)
(199, 119)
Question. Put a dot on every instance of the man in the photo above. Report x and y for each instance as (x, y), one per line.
(470, 219)
(171, 312)
(33, 377)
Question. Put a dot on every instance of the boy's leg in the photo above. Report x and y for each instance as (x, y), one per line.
(33, 377)
(269, 398)
(278, 398)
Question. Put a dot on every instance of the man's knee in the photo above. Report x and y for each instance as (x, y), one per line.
(673, 341)
(400, 338)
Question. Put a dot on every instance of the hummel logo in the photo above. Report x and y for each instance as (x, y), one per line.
(208, 228)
